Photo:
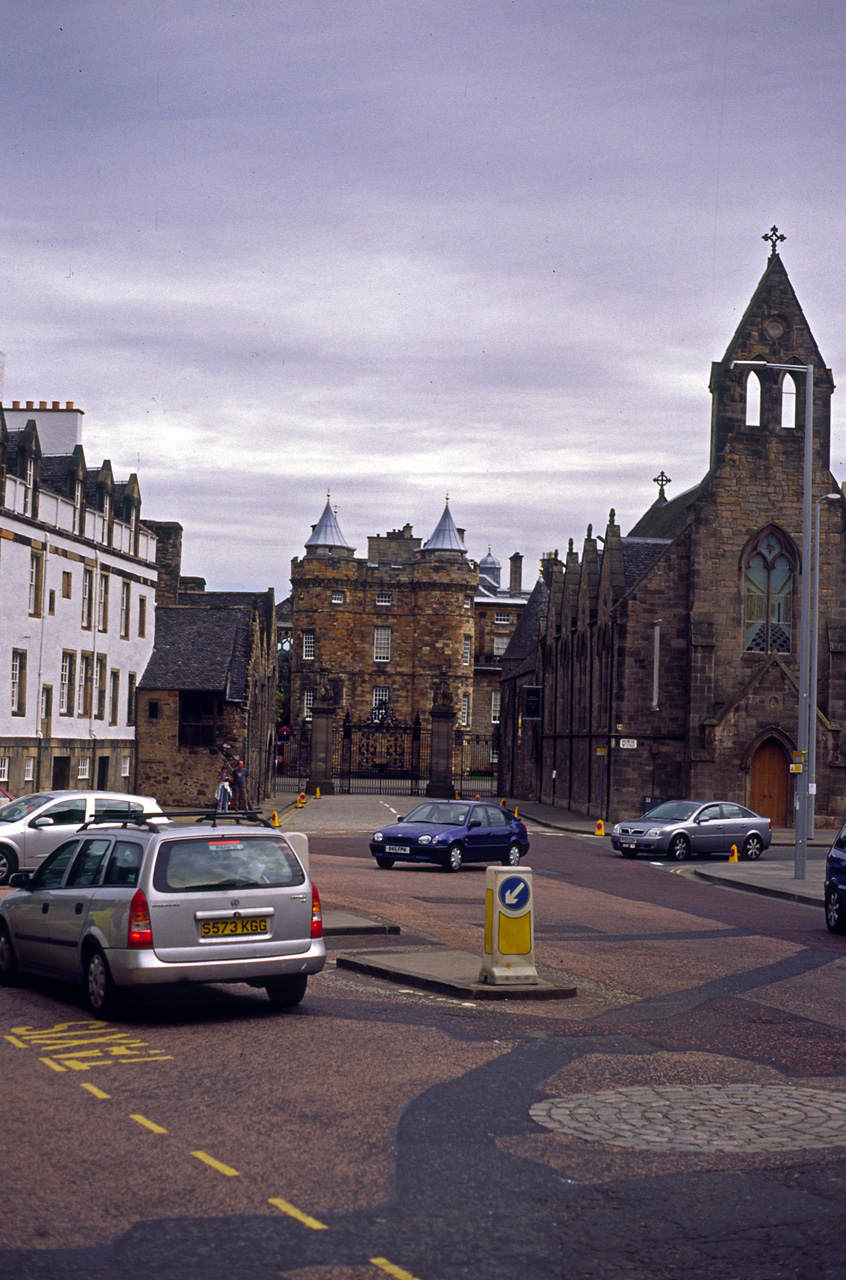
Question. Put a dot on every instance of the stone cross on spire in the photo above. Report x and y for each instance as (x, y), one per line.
(662, 481)
(774, 238)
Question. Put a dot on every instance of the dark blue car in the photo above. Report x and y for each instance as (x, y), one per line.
(835, 885)
(451, 832)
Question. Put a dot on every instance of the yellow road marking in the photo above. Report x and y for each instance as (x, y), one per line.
(392, 1270)
(54, 1065)
(148, 1124)
(92, 1088)
(299, 1215)
(19, 1044)
(215, 1164)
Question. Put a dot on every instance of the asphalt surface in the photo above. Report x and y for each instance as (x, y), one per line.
(679, 1116)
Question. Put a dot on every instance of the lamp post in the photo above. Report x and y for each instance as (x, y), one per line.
(815, 620)
(800, 844)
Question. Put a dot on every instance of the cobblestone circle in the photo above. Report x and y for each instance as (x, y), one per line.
(734, 1117)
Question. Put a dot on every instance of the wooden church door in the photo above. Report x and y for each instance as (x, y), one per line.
(769, 782)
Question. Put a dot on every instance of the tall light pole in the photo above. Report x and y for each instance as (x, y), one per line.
(812, 711)
(800, 844)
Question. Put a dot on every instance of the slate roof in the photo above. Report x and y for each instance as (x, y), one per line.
(638, 555)
(53, 473)
(666, 519)
(201, 649)
(523, 645)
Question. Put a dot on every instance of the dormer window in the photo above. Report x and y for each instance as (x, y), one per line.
(29, 487)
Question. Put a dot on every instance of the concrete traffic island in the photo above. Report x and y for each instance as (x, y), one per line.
(450, 973)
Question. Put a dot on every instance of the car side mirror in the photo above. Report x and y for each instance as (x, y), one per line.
(400, 819)
(19, 879)
(475, 822)
(43, 821)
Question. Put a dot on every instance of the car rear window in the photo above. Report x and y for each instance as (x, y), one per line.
(225, 862)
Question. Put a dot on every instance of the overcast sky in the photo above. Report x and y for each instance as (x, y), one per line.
(399, 248)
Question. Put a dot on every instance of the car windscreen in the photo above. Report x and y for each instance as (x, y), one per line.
(212, 862)
(672, 811)
(444, 814)
(22, 808)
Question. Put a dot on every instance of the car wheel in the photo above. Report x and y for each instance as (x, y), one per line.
(679, 848)
(753, 847)
(284, 993)
(385, 863)
(8, 864)
(453, 859)
(100, 993)
(835, 917)
(8, 959)
(512, 858)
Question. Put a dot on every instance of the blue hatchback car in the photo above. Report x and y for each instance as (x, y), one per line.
(451, 832)
(835, 885)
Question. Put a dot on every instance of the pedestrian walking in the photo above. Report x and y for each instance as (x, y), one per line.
(240, 778)
(223, 791)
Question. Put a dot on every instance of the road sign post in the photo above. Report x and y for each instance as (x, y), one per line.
(509, 928)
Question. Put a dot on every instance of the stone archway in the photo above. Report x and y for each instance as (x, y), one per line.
(769, 787)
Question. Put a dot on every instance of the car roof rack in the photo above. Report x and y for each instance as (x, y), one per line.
(153, 821)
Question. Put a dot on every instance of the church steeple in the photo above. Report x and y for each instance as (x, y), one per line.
(773, 330)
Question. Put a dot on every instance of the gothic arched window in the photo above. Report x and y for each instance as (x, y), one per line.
(768, 620)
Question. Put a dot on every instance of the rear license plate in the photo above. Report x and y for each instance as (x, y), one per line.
(235, 926)
(395, 848)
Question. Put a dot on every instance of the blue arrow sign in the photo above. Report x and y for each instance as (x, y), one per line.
(514, 892)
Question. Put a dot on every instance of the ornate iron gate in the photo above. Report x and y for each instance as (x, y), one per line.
(475, 763)
(292, 760)
(382, 756)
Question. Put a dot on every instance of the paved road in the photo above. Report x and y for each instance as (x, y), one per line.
(681, 1117)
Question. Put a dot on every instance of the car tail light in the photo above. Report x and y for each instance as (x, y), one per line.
(140, 932)
(316, 914)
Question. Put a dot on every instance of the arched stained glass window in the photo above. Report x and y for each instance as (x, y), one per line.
(768, 624)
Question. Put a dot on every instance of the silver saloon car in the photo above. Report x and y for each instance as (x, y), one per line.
(139, 904)
(32, 826)
(682, 829)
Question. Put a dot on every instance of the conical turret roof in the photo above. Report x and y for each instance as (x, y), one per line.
(327, 532)
(445, 536)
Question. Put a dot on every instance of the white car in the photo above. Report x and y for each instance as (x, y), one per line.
(33, 826)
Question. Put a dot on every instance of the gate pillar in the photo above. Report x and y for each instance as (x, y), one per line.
(443, 731)
(320, 760)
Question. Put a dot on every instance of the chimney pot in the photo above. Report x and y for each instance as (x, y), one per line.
(69, 404)
(16, 404)
(42, 404)
(30, 404)
(56, 404)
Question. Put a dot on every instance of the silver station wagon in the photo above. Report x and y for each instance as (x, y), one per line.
(134, 904)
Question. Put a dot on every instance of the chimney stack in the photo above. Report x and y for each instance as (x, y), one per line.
(515, 583)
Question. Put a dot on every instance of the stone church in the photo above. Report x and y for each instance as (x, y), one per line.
(668, 659)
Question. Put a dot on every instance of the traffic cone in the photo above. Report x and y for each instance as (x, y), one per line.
(274, 819)
(317, 793)
(502, 803)
(733, 854)
(516, 812)
(599, 830)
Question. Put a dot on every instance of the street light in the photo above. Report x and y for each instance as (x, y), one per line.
(815, 618)
(800, 844)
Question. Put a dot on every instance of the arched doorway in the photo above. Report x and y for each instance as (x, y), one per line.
(769, 782)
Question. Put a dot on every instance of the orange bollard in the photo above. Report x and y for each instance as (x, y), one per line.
(733, 854)
(600, 828)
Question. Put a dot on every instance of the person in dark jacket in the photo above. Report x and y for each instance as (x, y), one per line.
(240, 778)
